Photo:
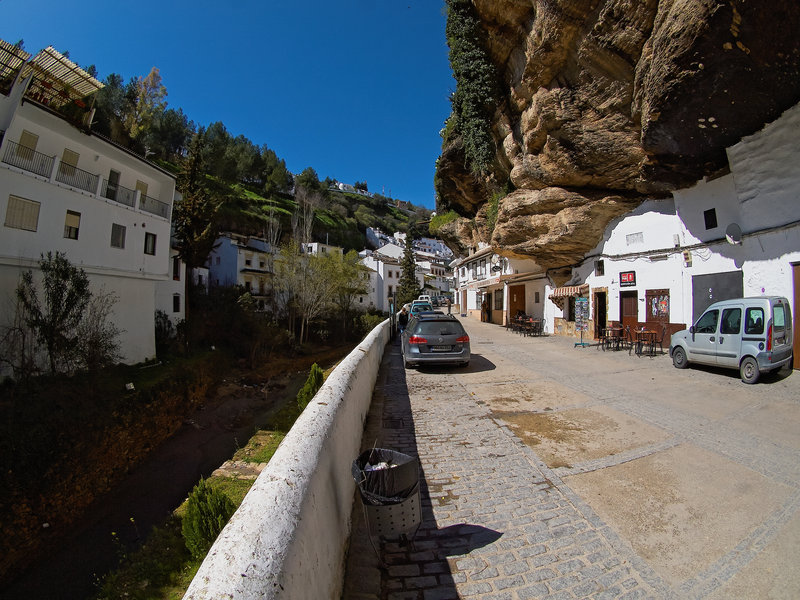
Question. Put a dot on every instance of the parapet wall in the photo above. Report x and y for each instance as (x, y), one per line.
(288, 538)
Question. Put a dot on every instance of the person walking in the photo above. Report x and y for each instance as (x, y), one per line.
(484, 311)
(448, 305)
(402, 320)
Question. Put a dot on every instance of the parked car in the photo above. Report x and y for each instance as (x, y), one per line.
(753, 335)
(424, 298)
(418, 307)
(435, 339)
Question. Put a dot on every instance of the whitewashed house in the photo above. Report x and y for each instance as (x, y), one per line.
(65, 189)
(245, 261)
(735, 234)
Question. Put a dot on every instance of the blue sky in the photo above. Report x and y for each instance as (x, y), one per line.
(356, 89)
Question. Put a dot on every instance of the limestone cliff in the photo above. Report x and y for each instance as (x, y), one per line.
(603, 103)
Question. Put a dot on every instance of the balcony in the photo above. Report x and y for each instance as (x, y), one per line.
(118, 193)
(28, 159)
(153, 206)
(31, 161)
(77, 178)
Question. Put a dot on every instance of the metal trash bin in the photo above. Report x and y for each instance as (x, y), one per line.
(388, 483)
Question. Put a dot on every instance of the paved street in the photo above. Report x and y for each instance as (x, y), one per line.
(550, 471)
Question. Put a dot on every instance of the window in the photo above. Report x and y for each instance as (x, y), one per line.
(176, 303)
(117, 236)
(536, 297)
(707, 323)
(389, 275)
(141, 186)
(247, 262)
(634, 238)
(710, 217)
(599, 267)
(731, 320)
(22, 214)
(150, 243)
(69, 160)
(176, 269)
(754, 321)
(27, 144)
(72, 224)
(571, 309)
(113, 184)
(498, 300)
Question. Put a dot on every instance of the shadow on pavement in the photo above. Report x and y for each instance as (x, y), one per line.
(422, 566)
(477, 363)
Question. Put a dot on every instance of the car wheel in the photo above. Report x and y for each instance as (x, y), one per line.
(679, 358)
(749, 370)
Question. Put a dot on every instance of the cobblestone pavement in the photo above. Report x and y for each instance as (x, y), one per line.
(549, 471)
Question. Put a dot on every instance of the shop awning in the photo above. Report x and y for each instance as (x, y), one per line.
(560, 293)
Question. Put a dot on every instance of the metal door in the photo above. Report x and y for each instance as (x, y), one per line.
(707, 289)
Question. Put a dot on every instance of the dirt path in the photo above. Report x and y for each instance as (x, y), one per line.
(243, 404)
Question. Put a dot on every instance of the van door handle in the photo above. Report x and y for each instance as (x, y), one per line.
(721, 340)
(711, 339)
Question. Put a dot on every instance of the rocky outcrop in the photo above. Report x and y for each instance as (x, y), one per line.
(607, 102)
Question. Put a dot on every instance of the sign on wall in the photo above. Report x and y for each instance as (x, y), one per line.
(627, 279)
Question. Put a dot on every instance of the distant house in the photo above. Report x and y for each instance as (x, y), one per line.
(245, 261)
(317, 249)
(65, 189)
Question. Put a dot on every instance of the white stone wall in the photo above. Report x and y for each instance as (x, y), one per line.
(288, 538)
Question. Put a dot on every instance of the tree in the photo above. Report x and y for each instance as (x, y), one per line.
(194, 215)
(349, 283)
(97, 344)
(308, 201)
(55, 318)
(149, 102)
(408, 288)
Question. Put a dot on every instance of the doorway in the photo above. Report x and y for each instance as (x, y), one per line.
(516, 300)
(600, 313)
(796, 306)
(629, 309)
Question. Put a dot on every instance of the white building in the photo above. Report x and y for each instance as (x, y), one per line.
(735, 234)
(318, 249)
(386, 279)
(241, 260)
(65, 189)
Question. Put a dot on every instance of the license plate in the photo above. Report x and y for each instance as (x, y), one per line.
(441, 348)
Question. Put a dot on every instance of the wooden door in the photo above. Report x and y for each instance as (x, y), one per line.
(516, 300)
(629, 309)
(796, 323)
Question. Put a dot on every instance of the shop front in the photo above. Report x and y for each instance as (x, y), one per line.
(565, 299)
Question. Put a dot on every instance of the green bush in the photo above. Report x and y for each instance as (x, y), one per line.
(207, 512)
(311, 386)
(440, 220)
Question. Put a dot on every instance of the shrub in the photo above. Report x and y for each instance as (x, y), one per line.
(207, 512)
(440, 220)
(311, 386)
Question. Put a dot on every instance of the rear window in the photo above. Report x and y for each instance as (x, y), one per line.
(754, 321)
(778, 317)
(439, 328)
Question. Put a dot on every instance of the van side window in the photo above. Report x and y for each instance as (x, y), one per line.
(754, 321)
(731, 320)
(707, 323)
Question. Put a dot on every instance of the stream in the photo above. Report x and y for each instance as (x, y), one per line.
(148, 494)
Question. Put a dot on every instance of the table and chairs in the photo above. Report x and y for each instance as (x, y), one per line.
(526, 325)
(612, 338)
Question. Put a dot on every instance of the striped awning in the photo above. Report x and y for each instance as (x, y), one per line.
(561, 293)
(570, 290)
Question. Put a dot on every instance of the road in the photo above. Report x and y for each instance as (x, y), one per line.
(550, 471)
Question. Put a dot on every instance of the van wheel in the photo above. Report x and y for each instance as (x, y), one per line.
(749, 370)
(679, 358)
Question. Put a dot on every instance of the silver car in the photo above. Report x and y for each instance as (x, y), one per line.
(435, 339)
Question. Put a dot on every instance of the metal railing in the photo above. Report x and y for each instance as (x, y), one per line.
(77, 178)
(28, 159)
(118, 193)
(153, 206)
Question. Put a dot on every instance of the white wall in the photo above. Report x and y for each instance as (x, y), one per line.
(288, 538)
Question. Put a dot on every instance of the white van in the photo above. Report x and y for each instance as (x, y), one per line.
(424, 298)
(753, 335)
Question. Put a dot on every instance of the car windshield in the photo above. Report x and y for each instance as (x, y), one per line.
(421, 307)
(439, 328)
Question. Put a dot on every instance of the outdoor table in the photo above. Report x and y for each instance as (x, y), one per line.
(646, 338)
(612, 337)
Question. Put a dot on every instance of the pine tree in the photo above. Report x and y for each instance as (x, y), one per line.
(408, 289)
